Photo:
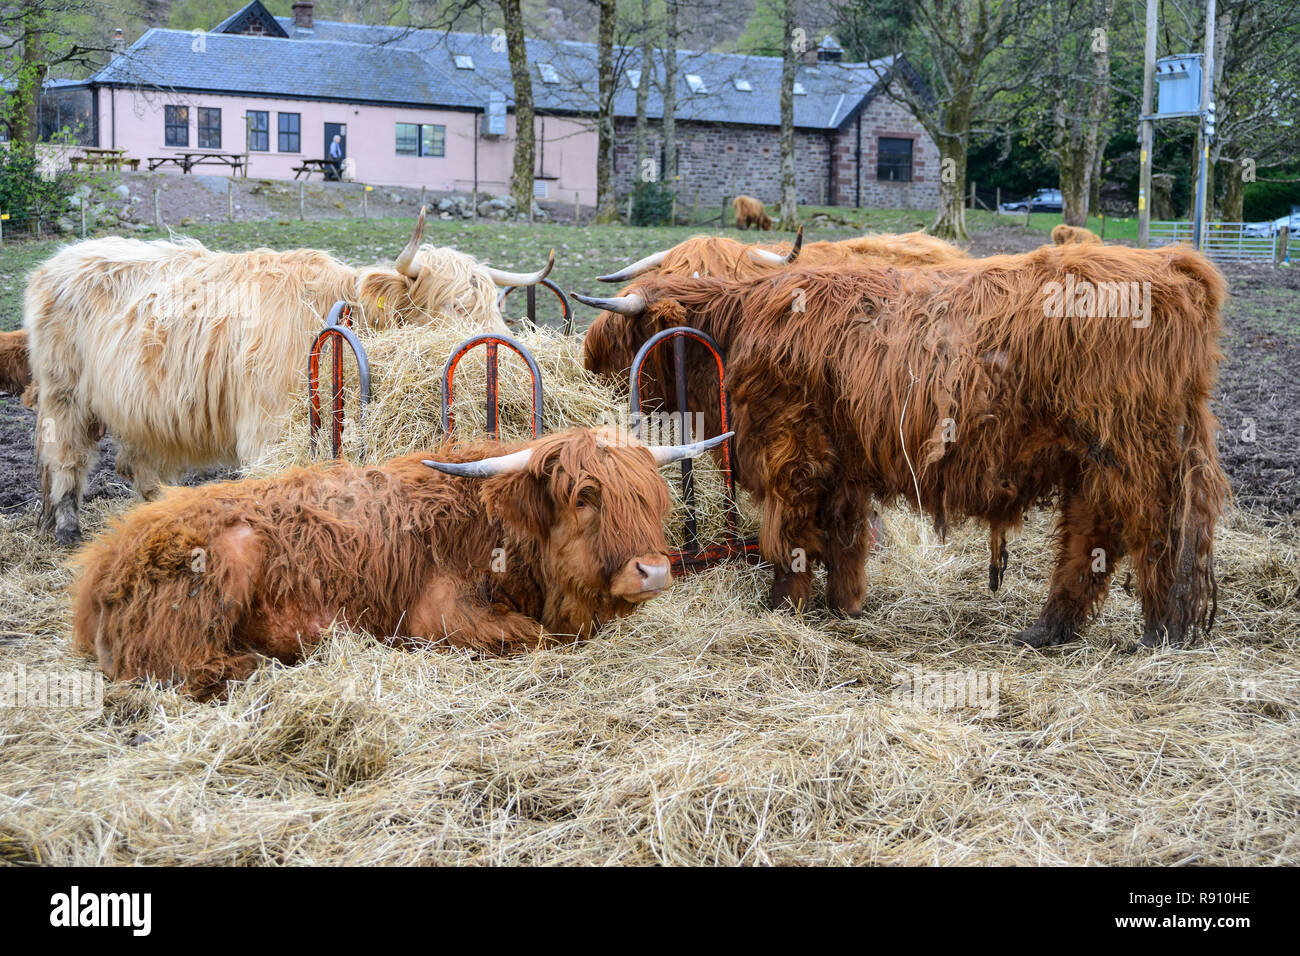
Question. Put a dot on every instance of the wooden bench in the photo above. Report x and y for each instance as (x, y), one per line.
(187, 161)
(322, 166)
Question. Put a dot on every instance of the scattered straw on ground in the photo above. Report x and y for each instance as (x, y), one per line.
(703, 729)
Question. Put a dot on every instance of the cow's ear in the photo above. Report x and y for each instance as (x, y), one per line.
(521, 501)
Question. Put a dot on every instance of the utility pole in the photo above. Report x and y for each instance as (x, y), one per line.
(1148, 126)
(1207, 126)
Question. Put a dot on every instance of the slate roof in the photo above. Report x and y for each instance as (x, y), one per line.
(380, 64)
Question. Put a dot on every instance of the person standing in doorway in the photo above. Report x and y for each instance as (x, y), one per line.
(336, 159)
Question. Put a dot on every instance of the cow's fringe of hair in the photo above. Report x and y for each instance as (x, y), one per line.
(1033, 398)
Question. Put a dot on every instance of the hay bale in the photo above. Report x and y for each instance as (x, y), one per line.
(404, 414)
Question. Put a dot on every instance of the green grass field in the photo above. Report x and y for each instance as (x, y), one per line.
(581, 253)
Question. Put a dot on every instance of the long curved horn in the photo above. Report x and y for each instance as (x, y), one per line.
(406, 258)
(623, 304)
(485, 467)
(636, 268)
(762, 255)
(503, 278)
(667, 454)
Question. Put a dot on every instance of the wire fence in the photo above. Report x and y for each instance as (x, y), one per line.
(154, 212)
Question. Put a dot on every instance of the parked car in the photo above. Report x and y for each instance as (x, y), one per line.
(1045, 200)
(1266, 229)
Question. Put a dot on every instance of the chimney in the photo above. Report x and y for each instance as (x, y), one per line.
(302, 14)
(829, 51)
(119, 41)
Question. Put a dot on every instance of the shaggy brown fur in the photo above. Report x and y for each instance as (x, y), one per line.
(1064, 235)
(199, 586)
(15, 372)
(750, 212)
(610, 347)
(951, 388)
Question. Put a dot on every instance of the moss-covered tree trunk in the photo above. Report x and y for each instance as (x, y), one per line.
(606, 203)
(521, 180)
(789, 175)
(25, 115)
(672, 35)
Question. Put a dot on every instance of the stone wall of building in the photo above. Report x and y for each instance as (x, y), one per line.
(883, 118)
(716, 161)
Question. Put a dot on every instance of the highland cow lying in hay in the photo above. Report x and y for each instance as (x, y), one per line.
(191, 358)
(975, 390)
(543, 542)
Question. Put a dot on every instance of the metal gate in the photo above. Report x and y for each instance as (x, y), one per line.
(1224, 241)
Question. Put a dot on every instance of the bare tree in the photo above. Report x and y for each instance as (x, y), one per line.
(606, 205)
(643, 84)
(38, 39)
(521, 180)
(1072, 44)
(672, 36)
(945, 73)
(789, 63)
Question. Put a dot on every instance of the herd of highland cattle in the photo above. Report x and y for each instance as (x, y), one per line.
(884, 369)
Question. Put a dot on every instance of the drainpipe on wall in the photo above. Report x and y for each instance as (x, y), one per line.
(857, 175)
(478, 119)
(830, 169)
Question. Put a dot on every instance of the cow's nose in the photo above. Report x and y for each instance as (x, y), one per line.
(654, 576)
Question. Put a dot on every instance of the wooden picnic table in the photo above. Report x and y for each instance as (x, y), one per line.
(93, 156)
(187, 161)
(321, 166)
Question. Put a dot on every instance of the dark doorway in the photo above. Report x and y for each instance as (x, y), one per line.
(341, 131)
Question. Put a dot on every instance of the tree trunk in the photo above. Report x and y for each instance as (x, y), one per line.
(1234, 190)
(951, 138)
(671, 37)
(26, 105)
(606, 203)
(521, 180)
(643, 88)
(789, 179)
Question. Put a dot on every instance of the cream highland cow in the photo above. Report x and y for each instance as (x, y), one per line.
(190, 357)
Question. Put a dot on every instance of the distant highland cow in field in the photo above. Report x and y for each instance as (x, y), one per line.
(750, 212)
(1064, 235)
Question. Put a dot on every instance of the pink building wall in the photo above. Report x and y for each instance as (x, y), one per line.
(133, 120)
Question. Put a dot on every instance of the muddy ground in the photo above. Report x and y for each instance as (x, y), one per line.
(1257, 398)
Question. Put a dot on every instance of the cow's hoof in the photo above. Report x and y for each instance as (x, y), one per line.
(1040, 634)
(67, 537)
(851, 614)
(1159, 637)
